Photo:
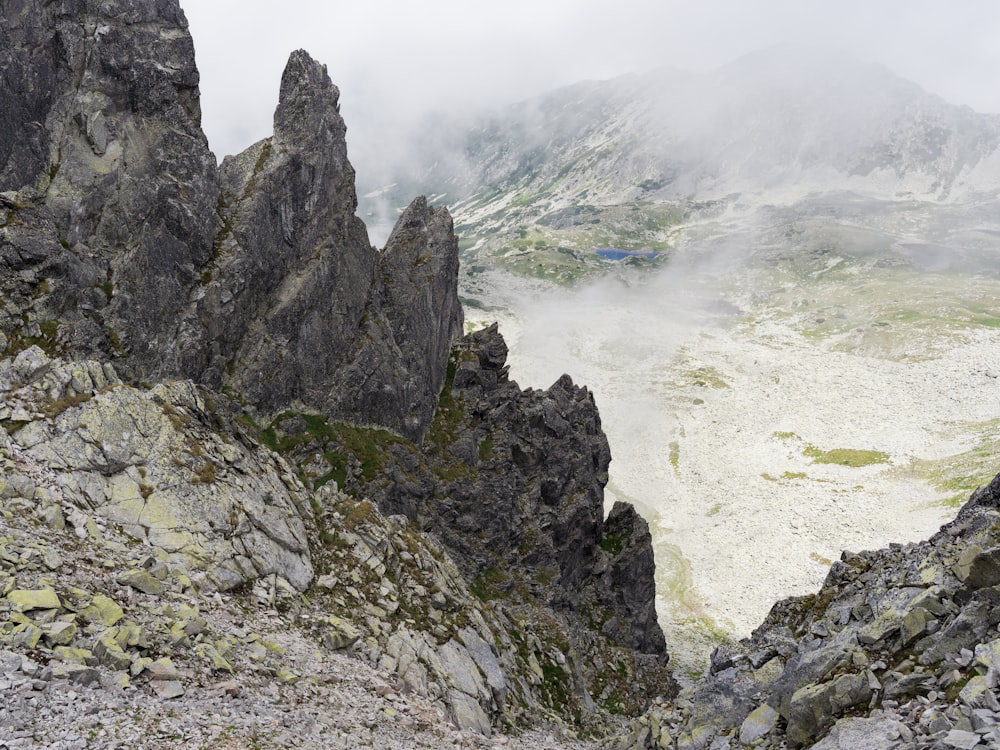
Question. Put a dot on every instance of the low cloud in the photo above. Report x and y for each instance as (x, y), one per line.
(396, 62)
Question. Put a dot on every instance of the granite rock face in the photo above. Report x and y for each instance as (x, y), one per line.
(345, 330)
(111, 188)
(412, 320)
(163, 466)
(292, 267)
(132, 519)
(122, 239)
(545, 511)
(625, 586)
(512, 482)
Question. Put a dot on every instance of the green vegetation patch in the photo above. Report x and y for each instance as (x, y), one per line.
(556, 688)
(292, 432)
(486, 448)
(559, 244)
(46, 339)
(893, 311)
(705, 377)
(613, 544)
(444, 430)
(449, 415)
(853, 457)
(959, 475)
(788, 475)
(491, 583)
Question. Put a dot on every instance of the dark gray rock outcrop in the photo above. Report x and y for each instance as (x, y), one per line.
(904, 637)
(292, 267)
(121, 238)
(544, 510)
(410, 323)
(626, 588)
(512, 482)
(111, 188)
(296, 306)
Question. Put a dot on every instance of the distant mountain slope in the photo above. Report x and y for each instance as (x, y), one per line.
(629, 161)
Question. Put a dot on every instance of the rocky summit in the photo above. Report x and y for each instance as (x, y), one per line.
(257, 488)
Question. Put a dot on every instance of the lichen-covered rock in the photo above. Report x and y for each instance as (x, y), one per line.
(758, 724)
(143, 581)
(337, 633)
(25, 600)
(445, 645)
(103, 610)
(813, 707)
(898, 649)
(876, 733)
(162, 465)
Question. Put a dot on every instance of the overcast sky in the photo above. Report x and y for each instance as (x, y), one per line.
(394, 60)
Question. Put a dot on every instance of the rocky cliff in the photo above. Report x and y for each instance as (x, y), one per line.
(511, 482)
(216, 393)
(123, 240)
(517, 490)
(203, 513)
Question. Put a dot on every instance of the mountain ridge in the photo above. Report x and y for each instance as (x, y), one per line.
(636, 161)
(200, 361)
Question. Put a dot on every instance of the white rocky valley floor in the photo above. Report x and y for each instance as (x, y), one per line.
(719, 418)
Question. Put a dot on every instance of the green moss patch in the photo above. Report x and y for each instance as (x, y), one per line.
(613, 543)
(852, 457)
(336, 441)
(490, 584)
(705, 377)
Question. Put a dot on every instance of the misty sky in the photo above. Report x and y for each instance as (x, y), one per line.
(395, 60)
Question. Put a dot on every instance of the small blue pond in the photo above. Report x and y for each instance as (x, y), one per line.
(614, 253)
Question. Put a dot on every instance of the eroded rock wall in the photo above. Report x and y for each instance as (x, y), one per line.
(511, 483)
(122, 239)
(110, 186)
(162, 466)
